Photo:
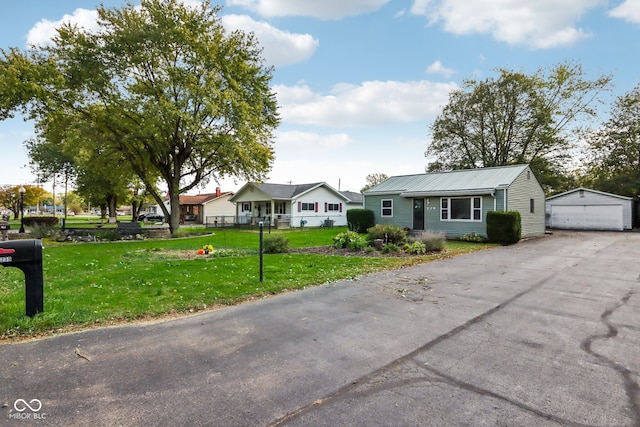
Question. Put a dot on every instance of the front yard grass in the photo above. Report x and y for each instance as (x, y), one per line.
(97, 284)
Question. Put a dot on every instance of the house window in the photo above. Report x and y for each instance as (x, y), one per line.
(281, 207)
(333, 207)
(308, 207)
(246, 207)
(461, 209)
(532, 206)
(387, 207)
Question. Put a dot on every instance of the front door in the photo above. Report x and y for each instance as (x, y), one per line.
(418, 214)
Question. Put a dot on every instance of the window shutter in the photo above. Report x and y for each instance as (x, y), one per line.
(316, 206)
(299, 206)
(325, 206)
(340, 207)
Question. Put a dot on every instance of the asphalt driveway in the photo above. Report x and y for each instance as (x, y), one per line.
(545, 332)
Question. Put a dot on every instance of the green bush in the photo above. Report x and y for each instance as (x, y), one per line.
(110, 235)
(50, 221)
(473, 237)
(390, 248)
(350, 240)
(359, 220)
(504, 227)
(388, 233)
(275, 244)
(415, 248)
(432, 241)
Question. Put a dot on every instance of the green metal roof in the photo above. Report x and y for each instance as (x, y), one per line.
(465, 181)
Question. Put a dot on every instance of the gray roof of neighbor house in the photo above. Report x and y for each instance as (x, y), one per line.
(291, 191)
(353, 196)
(284, 191)
(465, 181)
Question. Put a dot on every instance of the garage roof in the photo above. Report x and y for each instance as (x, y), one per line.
(589, 191)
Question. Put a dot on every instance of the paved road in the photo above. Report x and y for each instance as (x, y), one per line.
(542, 333)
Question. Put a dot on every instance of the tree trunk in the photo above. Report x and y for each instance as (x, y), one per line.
(174, 218)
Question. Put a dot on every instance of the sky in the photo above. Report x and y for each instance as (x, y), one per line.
(359, 82)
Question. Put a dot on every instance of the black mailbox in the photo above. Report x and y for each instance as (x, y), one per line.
(27, 256)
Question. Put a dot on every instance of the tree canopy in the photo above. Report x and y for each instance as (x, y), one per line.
(613, 151)
(515, 119)
(373, 179)
(164, 85)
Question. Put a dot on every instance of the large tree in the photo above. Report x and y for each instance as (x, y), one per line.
(10, 197)
(178, 96)
(613, 151)
(373, 179)
(515, 119)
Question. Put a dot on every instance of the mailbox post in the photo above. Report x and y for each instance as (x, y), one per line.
(27, 256)
(4, 230)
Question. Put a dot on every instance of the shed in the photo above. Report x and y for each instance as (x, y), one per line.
(586, 209)
(456, 202)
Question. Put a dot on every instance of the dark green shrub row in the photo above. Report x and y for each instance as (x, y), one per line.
(504, 227)
(30, 221)
(359, 220)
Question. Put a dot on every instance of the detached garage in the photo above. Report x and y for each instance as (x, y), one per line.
(584, 209)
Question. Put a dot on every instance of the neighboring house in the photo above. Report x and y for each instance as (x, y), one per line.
(456, 202)
(585, 209)
(283, 206)
(206, 208)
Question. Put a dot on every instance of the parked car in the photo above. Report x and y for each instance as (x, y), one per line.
(150, 217)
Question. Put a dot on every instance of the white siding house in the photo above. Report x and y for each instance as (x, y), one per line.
(283, 206)
(585, 209)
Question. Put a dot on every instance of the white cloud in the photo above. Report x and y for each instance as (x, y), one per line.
(372, 103)
(297, 142)
(629, 10)
(326, 9)
(280, 47)
(438, 68)
(538, 24)
(45, 30)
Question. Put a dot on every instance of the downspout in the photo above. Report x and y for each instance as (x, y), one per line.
(505, 199)
(493, 194)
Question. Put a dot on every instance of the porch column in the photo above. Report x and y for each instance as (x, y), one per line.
(273, 213)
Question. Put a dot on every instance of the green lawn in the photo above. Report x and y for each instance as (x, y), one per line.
(94, 284)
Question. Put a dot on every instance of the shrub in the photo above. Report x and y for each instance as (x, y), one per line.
(275, 244)
(473, 237)
(415, 248)
(50, 221)
(433, 242)
(359, 220)
(350, 240)
(41, 230)
(110, 235)
(504, 227)
(389, 248)
(387, 232)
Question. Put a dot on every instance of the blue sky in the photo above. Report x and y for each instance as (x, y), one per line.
(360, 81)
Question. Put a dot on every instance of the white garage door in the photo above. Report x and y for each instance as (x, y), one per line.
(589, 217)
